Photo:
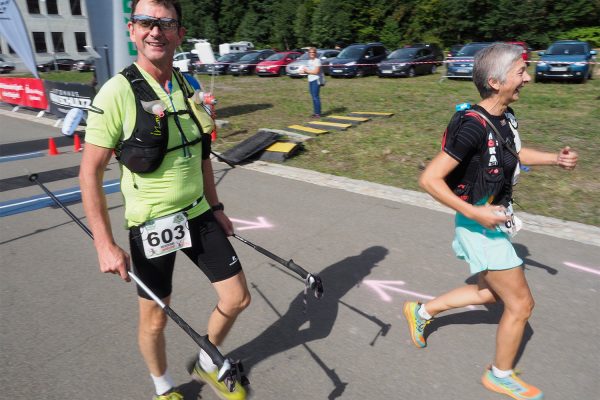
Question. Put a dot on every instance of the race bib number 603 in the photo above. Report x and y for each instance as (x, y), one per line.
(165, 235)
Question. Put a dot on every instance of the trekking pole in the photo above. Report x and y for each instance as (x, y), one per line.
(312, 282)
(228, 371)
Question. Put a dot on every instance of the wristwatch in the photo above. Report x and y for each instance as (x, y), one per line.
(218, 207)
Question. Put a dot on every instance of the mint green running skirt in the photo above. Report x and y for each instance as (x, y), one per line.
(481, 248)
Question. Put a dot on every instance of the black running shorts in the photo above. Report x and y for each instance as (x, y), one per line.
(211, 251)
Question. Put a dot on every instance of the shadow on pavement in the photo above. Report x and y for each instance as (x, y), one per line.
(321, 315)
(523, 252)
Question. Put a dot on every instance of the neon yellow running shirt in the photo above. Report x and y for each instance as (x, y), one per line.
(177, 182)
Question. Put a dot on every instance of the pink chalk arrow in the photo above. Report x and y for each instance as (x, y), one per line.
(582, 268)
(383, 287)
(260, 223)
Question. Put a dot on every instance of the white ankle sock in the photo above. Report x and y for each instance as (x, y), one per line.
(423, 312)
(206, 362)
(163, 384)
(498, 373)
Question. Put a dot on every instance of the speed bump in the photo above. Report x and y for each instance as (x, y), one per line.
(370, 114)
(336, 126)
(346, 119)
(280, 151)
(307, 129)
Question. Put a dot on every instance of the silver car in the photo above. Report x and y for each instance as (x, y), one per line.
(293, 69)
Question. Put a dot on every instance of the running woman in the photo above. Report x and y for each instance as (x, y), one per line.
(481, 194)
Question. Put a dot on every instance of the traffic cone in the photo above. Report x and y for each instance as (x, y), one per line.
(213, 135)
(77, 146)
(52, 151)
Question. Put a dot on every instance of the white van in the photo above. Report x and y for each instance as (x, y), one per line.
(226, 48)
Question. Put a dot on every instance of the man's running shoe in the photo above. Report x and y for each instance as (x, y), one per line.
(416, 324)
(511, 386)
(210, 378)
(172, 395)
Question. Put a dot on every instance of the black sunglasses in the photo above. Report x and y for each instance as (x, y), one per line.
(147, 22)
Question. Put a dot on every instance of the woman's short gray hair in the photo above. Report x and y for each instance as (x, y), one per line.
(494, 62)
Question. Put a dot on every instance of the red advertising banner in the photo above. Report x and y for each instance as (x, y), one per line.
(28, 92)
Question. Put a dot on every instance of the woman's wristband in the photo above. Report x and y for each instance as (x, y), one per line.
(217, 207)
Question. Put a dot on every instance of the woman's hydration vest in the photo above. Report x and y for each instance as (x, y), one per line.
(474, 182)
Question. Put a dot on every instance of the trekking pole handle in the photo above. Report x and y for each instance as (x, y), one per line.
(289, 264)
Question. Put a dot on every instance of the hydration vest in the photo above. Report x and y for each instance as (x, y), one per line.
(146, 148)
(473, 182)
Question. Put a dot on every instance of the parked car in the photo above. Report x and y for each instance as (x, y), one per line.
(84, 65)
(325, 55)
(566, 60)
(438, 54)
(6, 66)
(276, 63)
(454, 49)
(526, 50)
(184, 60)
(357, 60)
(62, 64)
(326, 63)
(461, 65)
(222, 64)
(410, 61)
(247, 64)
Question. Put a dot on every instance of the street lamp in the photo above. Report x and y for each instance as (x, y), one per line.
(50, 32)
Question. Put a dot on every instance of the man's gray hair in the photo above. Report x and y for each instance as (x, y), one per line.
(494, 62)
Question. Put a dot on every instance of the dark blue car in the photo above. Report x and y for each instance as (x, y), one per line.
(357, 60)
(566, 60)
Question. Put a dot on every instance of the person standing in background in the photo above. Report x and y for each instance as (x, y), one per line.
(314, 85)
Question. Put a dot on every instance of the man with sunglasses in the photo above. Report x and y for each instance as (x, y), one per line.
(180, 188)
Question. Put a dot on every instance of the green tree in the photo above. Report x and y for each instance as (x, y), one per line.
(424, 22)
(284, 13)
(302, 23)
(331, 23)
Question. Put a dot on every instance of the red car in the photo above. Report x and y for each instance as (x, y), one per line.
(526, 50)
(275, 64)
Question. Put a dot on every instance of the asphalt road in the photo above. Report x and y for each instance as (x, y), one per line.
(68, 331)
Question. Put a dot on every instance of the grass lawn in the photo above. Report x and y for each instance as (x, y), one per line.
(394, 150)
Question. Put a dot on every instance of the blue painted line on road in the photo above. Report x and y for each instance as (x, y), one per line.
(22, 156)
(27, 204)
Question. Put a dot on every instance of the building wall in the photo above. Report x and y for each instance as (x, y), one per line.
(64, 22)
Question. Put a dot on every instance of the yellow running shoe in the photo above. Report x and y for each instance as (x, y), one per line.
(416, 324)
(210, 378)
(511, 386)
(172, 395)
